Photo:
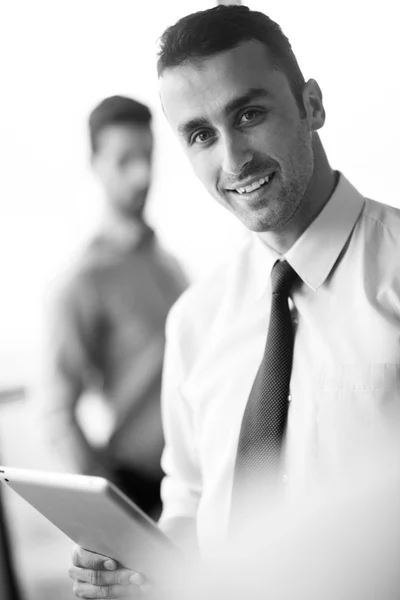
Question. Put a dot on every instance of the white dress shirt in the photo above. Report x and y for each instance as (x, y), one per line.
(345, 381)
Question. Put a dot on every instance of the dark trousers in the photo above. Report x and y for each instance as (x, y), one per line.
(144, 491)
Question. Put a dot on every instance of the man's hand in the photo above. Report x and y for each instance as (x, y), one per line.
(99, 577)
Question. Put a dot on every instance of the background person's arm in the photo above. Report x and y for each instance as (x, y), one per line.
(69, 373)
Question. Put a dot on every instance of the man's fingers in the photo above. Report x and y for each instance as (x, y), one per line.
(97, 577)
(102, 578)
(86, 590)
(137, 579)
(91, 560)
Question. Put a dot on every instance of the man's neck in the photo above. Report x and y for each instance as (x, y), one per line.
(121, 230)
(320, 189)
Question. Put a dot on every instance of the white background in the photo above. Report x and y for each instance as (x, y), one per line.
(59, 58)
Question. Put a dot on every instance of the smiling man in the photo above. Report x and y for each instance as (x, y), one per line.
(246, 136)
(283, 366)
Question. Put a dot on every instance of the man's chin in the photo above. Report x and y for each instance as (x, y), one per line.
(265, 219)
(259, 223)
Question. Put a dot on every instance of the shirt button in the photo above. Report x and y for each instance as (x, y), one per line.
(284, 478)
(289, 397)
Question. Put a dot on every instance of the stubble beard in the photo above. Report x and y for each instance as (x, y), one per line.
(280, 210)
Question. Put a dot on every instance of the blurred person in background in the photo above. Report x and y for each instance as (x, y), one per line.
(107, 330)
(283, 366)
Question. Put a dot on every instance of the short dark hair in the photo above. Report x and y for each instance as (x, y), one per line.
(223, 27)
(116, 110)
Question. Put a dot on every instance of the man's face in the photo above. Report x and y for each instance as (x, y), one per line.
(123, 164)
(243, 133)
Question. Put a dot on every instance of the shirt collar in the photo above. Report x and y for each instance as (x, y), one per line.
(316, 251)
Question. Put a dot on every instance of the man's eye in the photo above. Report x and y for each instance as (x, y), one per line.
(202, 137)
(249, 115)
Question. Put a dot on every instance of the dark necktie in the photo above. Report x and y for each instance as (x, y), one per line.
(264, 420)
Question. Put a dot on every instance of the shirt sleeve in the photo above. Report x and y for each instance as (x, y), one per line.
(182, 484)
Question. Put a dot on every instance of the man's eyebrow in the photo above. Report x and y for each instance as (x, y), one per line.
(186, 128)
(251, 95)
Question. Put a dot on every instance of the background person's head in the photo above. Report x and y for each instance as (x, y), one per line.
(233, 91)
(121, 145)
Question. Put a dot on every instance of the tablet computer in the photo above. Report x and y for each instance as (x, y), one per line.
(97, 516)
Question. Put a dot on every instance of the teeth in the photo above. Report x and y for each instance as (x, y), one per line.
(254, 186)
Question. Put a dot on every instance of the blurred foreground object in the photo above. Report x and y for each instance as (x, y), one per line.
(342, 543)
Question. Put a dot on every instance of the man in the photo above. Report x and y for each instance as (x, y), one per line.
(283, 366)
(108, 331)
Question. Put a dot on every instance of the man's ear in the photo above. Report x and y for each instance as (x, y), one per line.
(313, 105)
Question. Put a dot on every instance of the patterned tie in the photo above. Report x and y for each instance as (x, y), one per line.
(265, 416)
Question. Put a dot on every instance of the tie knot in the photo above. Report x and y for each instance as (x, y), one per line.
(282, 277)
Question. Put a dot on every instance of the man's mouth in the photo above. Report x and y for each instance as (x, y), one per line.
(255, 185)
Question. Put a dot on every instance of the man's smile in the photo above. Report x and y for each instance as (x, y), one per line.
(253, 189)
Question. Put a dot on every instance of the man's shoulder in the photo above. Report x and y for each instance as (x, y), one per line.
(383, 216)
(75, 282)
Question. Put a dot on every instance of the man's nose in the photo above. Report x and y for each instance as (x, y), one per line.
(236, 153)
